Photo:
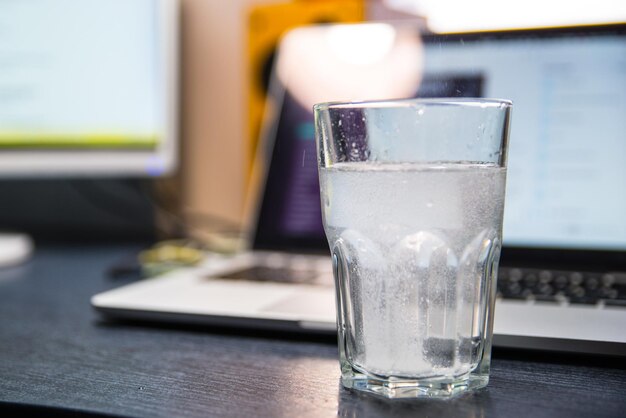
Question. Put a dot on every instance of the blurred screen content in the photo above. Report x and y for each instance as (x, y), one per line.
(79, 74)
(567, 166)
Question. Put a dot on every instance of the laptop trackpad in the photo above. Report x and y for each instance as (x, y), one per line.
(314, 304)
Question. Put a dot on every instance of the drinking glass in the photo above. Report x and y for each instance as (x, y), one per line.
(412, 195)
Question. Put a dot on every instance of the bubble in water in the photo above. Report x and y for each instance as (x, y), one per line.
(426, 260)
(406, 296)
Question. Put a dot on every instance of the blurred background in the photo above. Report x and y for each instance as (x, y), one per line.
(141, 119)
(246, 44)
(244, 48)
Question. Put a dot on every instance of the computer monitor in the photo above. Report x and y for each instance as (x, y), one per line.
(88, 88)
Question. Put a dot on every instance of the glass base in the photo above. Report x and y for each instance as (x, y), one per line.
(403, 388)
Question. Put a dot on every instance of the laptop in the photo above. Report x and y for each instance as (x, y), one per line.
(562, 277)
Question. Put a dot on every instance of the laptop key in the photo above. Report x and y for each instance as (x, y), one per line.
(546, 298)
(576, 278)
(530, 280)
(544, 289)
(607, 293)
(592, 283)
(583, 300)
(615, 302)
(516, 297)
(561, 282)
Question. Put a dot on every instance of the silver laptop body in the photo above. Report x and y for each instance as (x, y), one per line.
(562, 281)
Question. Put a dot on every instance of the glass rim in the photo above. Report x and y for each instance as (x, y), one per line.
(398, 103)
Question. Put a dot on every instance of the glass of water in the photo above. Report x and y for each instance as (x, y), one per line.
(412, 195)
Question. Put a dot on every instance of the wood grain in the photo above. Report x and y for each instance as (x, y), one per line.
(56, 353)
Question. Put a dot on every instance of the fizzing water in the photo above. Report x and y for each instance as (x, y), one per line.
(415, 247)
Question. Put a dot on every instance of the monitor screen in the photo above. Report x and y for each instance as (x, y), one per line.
(566, 184)
(87, 87)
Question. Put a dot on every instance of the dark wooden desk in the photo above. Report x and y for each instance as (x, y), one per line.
(56, 353)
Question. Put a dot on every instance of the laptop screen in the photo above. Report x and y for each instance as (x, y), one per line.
(566, 186)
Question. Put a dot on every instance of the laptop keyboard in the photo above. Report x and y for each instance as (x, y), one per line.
(562, 286)
(554, 286)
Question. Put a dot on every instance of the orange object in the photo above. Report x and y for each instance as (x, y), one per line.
(266, 25)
